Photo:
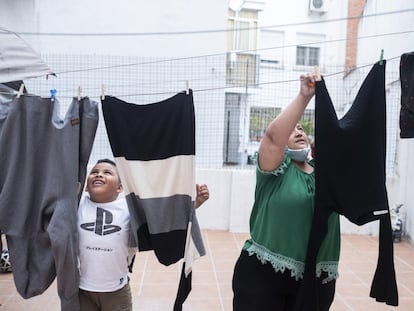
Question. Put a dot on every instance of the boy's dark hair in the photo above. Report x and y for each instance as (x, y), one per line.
(106, 161)
(109, 161)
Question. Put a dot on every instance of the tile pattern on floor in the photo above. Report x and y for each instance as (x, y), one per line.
(154, 286)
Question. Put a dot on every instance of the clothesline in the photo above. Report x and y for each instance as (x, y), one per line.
(195, 90)
(225, 53)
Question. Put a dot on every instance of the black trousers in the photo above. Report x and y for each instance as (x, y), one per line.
(257, 287)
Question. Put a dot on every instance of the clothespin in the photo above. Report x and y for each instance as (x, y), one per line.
(79, 93)
(187, 87)
(381, 56)
(53, 94)
(50, 74)
(102, 92)
(21, 89)
(317, 73)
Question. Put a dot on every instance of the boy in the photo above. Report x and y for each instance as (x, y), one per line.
(104, 231)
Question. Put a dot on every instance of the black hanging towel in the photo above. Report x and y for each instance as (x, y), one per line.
(154, 148)
(350, 179)
(407, 95)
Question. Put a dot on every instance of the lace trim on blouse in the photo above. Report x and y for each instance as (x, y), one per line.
(277, 171)
(297, 268)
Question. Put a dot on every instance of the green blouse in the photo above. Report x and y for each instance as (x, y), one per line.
(281, 220)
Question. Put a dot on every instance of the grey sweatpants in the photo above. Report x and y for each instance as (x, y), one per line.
(42, 161)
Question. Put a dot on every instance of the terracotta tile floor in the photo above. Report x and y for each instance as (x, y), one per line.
(154, 286)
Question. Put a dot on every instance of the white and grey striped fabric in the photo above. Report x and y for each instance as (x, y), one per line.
(154, 148)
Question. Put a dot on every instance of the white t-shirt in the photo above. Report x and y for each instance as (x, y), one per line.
(103, 244)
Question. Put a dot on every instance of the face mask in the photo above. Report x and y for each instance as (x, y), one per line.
(299, 155)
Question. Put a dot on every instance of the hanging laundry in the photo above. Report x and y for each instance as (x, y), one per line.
(350, 179)
(42, 165)
(8, 90)
(407, 95)
(154, 148)
(18, 60)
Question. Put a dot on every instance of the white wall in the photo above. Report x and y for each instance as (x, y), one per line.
(231, 201)
(294, 19)
(286, 13)
(404, 188)
(122, 16)
(390, 32)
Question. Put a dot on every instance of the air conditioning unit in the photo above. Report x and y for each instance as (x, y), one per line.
(317, 6)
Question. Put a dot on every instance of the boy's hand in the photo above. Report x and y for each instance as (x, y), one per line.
(202, 194)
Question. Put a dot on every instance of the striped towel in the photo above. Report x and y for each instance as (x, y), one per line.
(154, 148)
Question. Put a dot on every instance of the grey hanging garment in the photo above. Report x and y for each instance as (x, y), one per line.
(42, 164)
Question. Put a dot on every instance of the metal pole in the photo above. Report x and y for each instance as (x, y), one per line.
(245, 130)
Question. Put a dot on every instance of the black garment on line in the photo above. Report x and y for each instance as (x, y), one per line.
(350, 180)
(407, 95)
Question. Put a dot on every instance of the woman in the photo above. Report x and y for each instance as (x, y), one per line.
(268, 273)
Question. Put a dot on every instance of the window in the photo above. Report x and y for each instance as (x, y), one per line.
(309, 49)
(270, 47)
(307, 56)
(260, 117)
(242, 35)
(242, 68)
(242, 61)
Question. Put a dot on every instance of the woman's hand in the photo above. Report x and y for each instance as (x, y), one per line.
(202, 194)
(307, 84)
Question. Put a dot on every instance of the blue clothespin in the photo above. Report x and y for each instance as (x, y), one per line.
(53, 94)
